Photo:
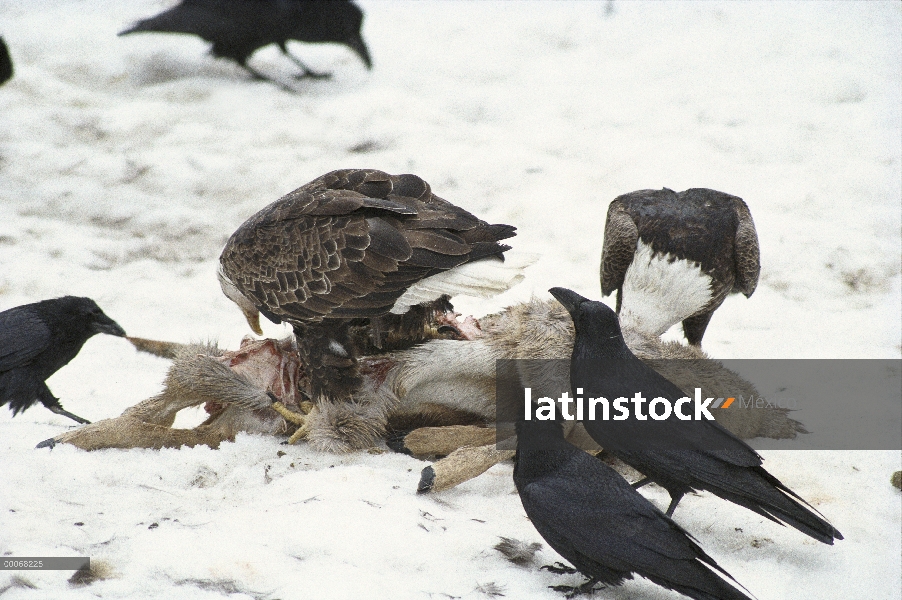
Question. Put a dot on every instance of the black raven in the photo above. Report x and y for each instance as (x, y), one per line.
(238, 28)
(36, 340)
(679, 455)
(700, 244)
(593, 518)
(6, 63)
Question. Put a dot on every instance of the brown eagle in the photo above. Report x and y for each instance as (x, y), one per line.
(357, 248)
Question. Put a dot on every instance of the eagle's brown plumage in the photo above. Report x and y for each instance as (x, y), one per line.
(698, 225)
(347, 246)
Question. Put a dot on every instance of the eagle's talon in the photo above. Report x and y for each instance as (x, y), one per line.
(300, 433)
(299, 419)
(289, 415)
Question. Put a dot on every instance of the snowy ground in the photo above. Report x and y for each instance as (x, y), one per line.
(126, 162)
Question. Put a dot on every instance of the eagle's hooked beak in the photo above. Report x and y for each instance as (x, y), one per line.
(253, 319)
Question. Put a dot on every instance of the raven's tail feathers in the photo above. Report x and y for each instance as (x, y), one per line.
(766, 495)
(700, 581)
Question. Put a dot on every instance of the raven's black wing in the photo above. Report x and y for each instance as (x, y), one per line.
(595, 519)
(700, 454)
(205, 18)
(624, 378)
(23, 335)
(240, 23)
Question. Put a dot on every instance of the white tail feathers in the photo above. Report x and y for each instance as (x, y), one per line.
(660, 291)
(481, 279)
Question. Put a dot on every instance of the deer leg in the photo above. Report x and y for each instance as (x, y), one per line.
(128, 432)
(461, 465)
(441, 441)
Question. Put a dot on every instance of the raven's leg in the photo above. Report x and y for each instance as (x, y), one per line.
(569, 591)
(53, 404)
(694, 327)
(674, 500)
(62, 411)
(308, 73)
(258, 75)
(641, 482)
(559, 568)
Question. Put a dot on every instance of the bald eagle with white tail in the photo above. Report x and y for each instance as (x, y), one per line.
(358, 248)
(675, 257)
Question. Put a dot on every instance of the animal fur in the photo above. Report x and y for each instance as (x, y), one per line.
(440, 374)
(228, 383)
(441, 382)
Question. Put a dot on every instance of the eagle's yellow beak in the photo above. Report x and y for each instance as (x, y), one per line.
(253, 319)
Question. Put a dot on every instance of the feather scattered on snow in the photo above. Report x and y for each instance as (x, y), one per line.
(520, 553)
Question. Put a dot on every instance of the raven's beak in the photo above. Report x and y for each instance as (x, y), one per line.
(104, 324)
(570, 299)
(356, 44)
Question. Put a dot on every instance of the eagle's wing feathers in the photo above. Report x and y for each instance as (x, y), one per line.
(349, 243)
(620, 238)
(746, 253)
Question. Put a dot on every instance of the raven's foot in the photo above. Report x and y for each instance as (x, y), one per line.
(559, 568)
(674, 500)
(586, 589)
(308, 74)
(641, 482)
(257, 75)
(299, 419)
(56, 408)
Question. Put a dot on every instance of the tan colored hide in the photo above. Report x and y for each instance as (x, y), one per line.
(441, 382)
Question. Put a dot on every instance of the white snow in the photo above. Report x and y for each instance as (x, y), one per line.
(125, 163)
